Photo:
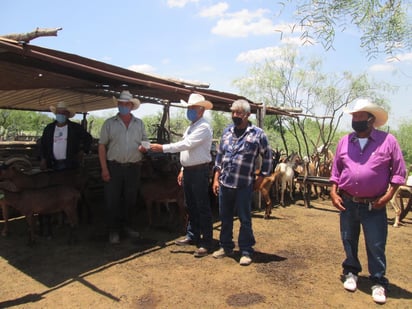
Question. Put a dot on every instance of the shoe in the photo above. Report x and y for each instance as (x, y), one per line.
(378, 294)
(131, 232)
(245, 260)
(114, 238)
(184, 242)
(350, 282)
(201, 252)
(221, 253)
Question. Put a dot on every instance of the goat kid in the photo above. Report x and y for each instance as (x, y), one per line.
(59, 198)
(164, 190)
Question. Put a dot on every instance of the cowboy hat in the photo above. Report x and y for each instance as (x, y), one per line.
(126, 96)
(365, 105)
(62, 106)
(196, 99)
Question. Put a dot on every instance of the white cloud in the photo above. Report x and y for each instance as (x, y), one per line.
(216, 10)
(179, 3)
(382, 68)
(259, 55)
(244, 23)
(142, 68)
(297, 41)
(401, 57)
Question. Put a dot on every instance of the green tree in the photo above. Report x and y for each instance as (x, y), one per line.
(15, 123)
(385, 26)
(403, 134)
(317, 99)
(220, 120)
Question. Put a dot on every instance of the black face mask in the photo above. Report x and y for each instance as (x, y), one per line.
(237, 121)
(360, 126)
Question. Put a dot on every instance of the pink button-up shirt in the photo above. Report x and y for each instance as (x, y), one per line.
(368, 172)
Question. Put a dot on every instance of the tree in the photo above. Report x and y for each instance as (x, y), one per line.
(403, 134)
(14, 123)
(291, 81)
(220, 121)
(385, 26)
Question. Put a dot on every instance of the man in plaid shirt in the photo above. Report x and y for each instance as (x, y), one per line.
(234, 180)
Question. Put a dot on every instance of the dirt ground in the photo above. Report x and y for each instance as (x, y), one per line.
(296, 265)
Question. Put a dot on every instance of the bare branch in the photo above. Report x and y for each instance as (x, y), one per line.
(27, 37)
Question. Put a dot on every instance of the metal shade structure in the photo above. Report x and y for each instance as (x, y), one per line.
(33, 78)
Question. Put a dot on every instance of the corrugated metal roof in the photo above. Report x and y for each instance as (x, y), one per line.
(34, 78)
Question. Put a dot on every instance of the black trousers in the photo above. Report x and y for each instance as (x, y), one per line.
(120, 194)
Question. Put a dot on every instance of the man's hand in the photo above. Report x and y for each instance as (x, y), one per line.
(156, 147)
(337, 201)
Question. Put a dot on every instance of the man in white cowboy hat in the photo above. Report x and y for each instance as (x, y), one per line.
(62, 146)
(367, 169)
(120, 152)
(195, 158)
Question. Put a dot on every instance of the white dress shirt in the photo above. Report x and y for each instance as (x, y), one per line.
(195, 147)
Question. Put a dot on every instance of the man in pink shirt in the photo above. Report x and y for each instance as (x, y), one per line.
(367, 170)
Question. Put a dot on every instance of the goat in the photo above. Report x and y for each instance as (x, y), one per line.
(164, 190)
(397, 203)
(71, 177)
(265, 189)
(59, 198)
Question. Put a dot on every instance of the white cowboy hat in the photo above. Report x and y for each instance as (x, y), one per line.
(365, 105)
(196, 99)
(126, 96)
(62, 106)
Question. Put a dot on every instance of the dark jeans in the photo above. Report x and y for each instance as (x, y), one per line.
(196, 189)
(121, 194)
(232, 201)
(375, 229)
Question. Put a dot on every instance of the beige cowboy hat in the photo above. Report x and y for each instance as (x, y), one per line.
(126, 96)
(365, 105)
(196, 99)
(62, 106)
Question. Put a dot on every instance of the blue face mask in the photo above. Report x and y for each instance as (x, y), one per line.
(61, 118)
(123, 110)
(191, 114)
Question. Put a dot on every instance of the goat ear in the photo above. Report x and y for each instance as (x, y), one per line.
(8, 186)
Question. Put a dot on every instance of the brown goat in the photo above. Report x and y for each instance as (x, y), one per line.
(397, 203)
(40, 201)
(265, 189)
(72, 177)
(164, 190)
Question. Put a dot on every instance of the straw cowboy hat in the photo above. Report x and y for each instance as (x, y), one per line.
(365, 105)
(196, 99)
(62, 106)
(126, 96)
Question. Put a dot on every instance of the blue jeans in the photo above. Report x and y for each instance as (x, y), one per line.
(240, 201)
(375, 230)
(196, 189)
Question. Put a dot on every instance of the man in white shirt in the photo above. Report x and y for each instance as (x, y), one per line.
(195, 159)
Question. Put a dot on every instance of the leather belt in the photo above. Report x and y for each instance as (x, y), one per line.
(112, 162)
(362, 200)
(196, 167)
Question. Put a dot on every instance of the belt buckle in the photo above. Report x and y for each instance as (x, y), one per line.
(355, 199)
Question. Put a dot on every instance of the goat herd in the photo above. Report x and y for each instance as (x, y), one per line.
(62, 191)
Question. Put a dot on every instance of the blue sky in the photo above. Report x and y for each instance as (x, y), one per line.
(205, 41)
